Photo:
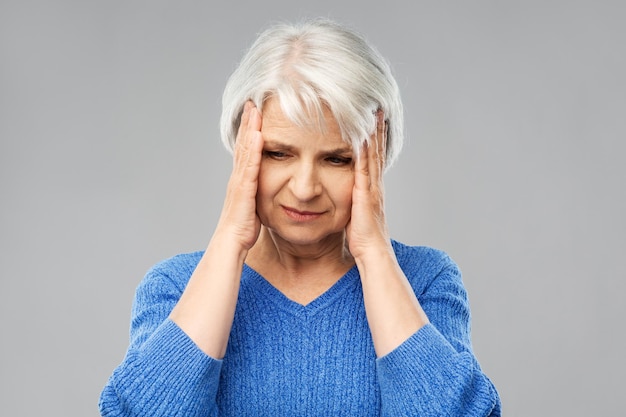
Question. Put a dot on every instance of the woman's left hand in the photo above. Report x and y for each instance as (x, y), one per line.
(367, 230)
(393, 312)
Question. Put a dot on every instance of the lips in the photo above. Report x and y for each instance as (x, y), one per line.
(301, 216)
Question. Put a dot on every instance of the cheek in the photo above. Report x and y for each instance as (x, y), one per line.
(268, 180)
(265, 197)
(341, 191)
(264, 194)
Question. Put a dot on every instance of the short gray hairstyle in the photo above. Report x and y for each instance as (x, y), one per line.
(311, 64)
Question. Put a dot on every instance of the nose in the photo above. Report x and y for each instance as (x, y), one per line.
(305, 183)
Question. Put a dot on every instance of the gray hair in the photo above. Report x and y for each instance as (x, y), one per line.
(313, 64)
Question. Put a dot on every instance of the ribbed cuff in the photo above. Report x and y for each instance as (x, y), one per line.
(170, 372)
(421, 364)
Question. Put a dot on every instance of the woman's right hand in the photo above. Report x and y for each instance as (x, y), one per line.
(239, 222)
(206, 308)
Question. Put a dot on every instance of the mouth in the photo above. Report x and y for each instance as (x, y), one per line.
(301, 216)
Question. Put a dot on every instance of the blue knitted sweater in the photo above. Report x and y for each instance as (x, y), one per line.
(286, 359)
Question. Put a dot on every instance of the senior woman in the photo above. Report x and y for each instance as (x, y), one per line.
(302, 304)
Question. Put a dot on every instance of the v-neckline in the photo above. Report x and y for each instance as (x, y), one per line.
(348, 280)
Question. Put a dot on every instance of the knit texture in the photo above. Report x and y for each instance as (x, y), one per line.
(286, 359)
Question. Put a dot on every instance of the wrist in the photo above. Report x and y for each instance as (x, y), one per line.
(225, 245)
(375, 254)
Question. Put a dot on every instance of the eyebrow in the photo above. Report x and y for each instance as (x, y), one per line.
(280, 145)
(276, 144)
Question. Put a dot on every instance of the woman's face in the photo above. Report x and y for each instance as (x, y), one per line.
(306, 179)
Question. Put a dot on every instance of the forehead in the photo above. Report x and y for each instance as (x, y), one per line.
(277, 127)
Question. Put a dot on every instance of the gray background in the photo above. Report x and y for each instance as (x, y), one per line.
(110, 161)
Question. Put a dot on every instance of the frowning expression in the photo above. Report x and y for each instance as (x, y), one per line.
(306, 179)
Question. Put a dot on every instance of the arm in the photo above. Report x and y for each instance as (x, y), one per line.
(162, 361)
(393, 312)
(434, 372)
(207, 307)
(420, 371)
(177, 340)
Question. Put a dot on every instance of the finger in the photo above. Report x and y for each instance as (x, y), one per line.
(248, 128)
(361, 169)
(376, 158)
(247, 153)
(254, 143)
(243, 123)
(384, 125)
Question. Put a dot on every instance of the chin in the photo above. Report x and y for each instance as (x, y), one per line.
(305, 237)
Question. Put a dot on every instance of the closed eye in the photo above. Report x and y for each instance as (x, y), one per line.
(339, 160)
(277, 155)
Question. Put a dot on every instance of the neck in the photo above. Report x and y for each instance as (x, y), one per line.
(272, 249)
(302, 272)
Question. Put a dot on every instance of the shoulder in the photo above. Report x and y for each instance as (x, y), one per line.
(422, 258)
(423, 265)
(176, 269)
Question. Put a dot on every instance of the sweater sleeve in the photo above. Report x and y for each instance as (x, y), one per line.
(434, 372)
(163, 373)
